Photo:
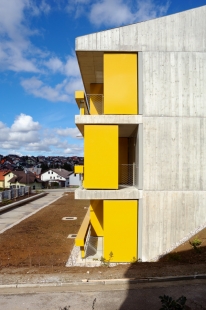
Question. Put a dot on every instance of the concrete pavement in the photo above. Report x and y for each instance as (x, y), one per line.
(141, 296)
(12, 217)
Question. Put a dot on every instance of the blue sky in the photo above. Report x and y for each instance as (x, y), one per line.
(39, 71)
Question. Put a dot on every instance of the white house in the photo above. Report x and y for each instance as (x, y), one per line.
(60, 176)
(75, 180)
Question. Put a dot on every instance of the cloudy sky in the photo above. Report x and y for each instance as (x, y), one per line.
(38, 68)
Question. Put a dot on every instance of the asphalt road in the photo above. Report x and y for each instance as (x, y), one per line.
(142, 296)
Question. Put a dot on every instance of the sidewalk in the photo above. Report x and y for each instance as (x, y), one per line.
(12, 217)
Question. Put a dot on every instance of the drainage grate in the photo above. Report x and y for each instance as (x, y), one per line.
(69, 218)
(72, 236)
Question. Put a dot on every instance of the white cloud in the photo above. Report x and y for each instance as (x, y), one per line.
(110, 12)
(15, 47)
(54, 64)
(37, 88)
(24, 123)
(73, 149)
(26, 135)
(63, 92)
(70, 68)
(117, 12)
(71, 132)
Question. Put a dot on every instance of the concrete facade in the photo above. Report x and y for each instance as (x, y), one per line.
(171, 147)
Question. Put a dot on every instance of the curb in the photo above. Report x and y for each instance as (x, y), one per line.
(87, 282)
(21, 202)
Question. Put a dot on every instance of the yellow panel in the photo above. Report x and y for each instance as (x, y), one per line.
(120, 83)
(101, 156)
(120, 230)
(81, 102)
(79, 96)
(79, 240)
(96, 99)
(96, 217)
(78, 169)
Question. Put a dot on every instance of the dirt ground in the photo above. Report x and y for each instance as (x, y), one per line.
(39, 245)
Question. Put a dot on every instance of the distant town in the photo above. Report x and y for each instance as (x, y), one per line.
(12, 162)
(18, 172)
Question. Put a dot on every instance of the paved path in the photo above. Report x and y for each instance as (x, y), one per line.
(12, 217)
(110, 297)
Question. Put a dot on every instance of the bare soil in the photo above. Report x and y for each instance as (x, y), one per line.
(39, 245)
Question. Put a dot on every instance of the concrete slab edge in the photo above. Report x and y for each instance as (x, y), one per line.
(105, 281)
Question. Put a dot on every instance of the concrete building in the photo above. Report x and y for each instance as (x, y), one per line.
(143, 118)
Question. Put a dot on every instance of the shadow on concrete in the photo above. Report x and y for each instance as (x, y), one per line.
(181, 272)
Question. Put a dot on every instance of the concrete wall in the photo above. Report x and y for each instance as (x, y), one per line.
(174, 149)
(185, 31)
(169, 218)
(174, 84)
(173, 102)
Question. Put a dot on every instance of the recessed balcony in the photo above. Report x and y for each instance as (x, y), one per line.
(127, 188)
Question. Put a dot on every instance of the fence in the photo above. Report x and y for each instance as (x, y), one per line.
(14, 193)
(128, 175)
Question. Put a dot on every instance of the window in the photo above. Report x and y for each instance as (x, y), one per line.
(52, 172)
(48, 172)
(33, 186)
(50, 177)
(53, 177)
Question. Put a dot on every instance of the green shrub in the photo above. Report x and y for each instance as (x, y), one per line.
(196, 243)
(168, 303)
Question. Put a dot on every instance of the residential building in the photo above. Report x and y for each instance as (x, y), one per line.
(60, 176)
(143, 119)
(2, 177)
(75, 180)
(17, 179)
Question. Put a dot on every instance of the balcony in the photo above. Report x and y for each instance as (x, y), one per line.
(127, 189)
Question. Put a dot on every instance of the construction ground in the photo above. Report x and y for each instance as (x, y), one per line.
(35, 249)
(40, 245)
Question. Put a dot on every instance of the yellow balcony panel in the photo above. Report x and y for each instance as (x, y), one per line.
(101, 156)
(120, 83)
(81, 102)
(96, 217)
(80, 238)
(120, 230)
(78, 169)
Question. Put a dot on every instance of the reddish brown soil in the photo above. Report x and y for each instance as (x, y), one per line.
(40, 245)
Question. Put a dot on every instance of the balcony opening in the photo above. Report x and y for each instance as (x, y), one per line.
(128, 169)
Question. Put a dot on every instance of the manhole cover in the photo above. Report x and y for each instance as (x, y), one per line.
(72, 236)
(69, 218)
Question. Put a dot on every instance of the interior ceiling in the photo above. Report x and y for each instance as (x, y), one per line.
(91, 67)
